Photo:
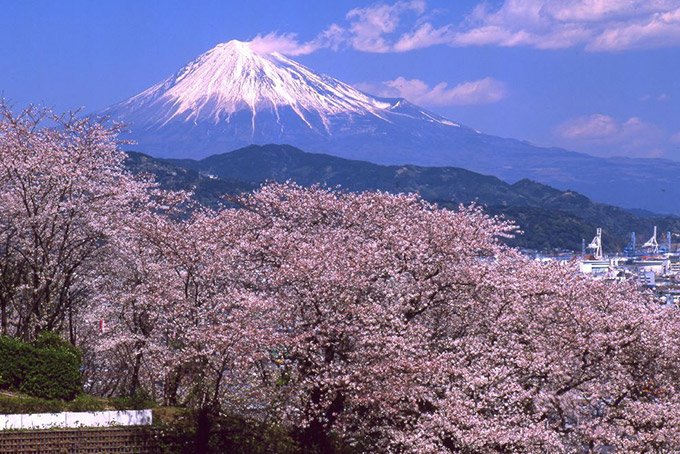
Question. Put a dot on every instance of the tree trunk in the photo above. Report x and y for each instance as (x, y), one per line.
(135, 375)
(172, 386)
(203, 431)
(3, 317)
(315, 439)
(71, 328)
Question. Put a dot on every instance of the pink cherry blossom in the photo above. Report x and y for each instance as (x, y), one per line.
(375, 318)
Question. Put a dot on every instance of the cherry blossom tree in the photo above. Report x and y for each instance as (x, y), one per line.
(389, 323)
(176, 311)
(413, 329)
(63, 188)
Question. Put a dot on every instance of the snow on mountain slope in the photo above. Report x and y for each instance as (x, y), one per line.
(231, 78)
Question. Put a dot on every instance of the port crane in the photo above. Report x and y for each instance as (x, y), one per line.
(652, 245)
(596, 245)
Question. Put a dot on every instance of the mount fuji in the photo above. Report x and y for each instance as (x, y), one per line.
(233, 96)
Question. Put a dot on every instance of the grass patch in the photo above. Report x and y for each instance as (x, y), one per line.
(15, 403)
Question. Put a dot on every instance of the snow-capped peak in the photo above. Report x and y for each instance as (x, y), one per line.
(232, 77)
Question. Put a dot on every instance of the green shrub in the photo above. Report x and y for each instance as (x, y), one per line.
(139, 401)
(50, 368)
(52, 340)
(15, 360)
(27, 404)
(85, 402)
(21, 403)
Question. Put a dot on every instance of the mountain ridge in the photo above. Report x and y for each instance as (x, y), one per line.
(232, 96)
(543, 212)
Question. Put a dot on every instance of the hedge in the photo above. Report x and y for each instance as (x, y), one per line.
(49, 368)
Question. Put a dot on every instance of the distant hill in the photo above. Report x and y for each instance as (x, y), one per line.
(207, 190)
(550, 218)
(281, 162)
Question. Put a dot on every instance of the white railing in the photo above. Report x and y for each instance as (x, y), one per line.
(76, 419)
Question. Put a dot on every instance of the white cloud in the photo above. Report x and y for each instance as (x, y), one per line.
(368, 30)
(596, 126)
(660, 29)
(604, 10)
(597, 25)
(660, 97)
(604, 135)
(559, 37)
(369, 26)
(424, 36)
(482, 91)
(286, 43)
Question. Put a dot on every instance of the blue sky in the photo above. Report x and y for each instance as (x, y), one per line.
(598, 76)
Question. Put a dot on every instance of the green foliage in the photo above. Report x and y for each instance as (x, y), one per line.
(20, 403)
(85, 402)
(140, 401)
(50, 368)
(15, 359)
(52, 340)
(28, 404)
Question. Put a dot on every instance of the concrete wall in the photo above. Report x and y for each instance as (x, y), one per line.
(76, 419)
